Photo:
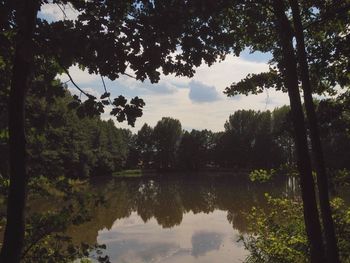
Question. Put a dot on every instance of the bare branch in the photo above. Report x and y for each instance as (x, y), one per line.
(104, 86)
(130, 76)
(71, 80)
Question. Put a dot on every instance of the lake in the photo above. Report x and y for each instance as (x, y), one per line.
(175, 219)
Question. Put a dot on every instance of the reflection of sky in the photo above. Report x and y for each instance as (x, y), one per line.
(203, 242)
(199, 238)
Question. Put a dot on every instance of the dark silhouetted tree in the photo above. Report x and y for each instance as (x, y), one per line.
(167, 135)
(145, 145)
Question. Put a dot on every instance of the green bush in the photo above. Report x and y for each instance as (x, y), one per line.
(261, 175)
(278, 235)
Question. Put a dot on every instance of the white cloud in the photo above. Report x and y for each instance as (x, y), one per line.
(162, 87)
(232, 69)
(79, 76)
(54, 12)
(202, 116)
(171, 96)
(73, 90)
(200, 92)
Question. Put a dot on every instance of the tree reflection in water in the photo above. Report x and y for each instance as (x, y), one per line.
(168, 199)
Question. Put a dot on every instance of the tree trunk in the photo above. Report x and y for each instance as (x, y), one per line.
(289, 70)
(26, 12)
(322, 180)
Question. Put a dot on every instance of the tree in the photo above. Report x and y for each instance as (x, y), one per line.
(241, 128)
(322, 180)
(287, 61)
(145, 145)
(288, 67)
(167, 135)
(333, 115)
(133, 156)
(265, 151)
(195, 149)
(282, 131)
(14, 231)
(250, 140)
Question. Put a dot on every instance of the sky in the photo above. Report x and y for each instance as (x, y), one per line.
(198, 102)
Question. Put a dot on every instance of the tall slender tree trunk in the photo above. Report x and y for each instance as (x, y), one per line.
(289, 70)
(322, 180)
(26, 12)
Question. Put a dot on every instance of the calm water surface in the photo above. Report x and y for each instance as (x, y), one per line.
(175, 220)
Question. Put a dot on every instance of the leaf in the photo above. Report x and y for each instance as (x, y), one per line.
(105, 95)
(138, 102)
(120, 101)
(73, 105)
(105, 102)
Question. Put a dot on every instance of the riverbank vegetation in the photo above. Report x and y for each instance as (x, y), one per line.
(278, 234)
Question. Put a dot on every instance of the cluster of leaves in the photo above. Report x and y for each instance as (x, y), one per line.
(261, 175)
(127, 111)
(45, 234)
(91, 107)
(65, 134)
(334, 119)
(157, 146)
(341, 177)
(140, 35)
(341, 217)
(46, 242)
(326, 38)
(256, 83)
(197, 149)
(278, 234)
(4, 185)
(257, 139)
(68, 144)
(62, 142)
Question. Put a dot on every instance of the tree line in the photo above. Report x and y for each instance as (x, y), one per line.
(61, 142)
(250, 140)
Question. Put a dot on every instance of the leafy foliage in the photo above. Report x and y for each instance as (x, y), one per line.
(196, 149)
(256, 83)
(72, 145)
(278, 235)
(45, 236)
(261, 175)
(167, 135)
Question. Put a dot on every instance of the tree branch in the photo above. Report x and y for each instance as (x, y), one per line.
(104, 86)
(64, 13)
(71, 80)
(130, 76)
(330, 14)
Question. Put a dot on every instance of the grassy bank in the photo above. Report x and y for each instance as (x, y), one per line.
(128, 173)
